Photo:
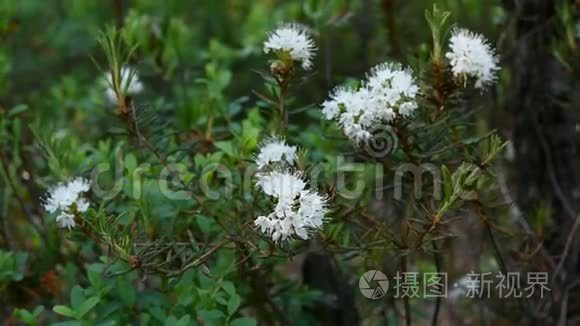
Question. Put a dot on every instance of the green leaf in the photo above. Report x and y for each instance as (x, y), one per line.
(76, 297)
(207, 315)
(95, 279)
(204, 223)
(24, 316)
(64, 310)
(250, 135)
(17, 109)
(36, 312)
(233, 304)
(220, 299)
(86, 306)
(244, 321)
(226, 147)
(126, 292)
(229, 288)
(68, 323)
(130, 163)
(20, 259)
(158, 313)
(184, 321)
(171, 321)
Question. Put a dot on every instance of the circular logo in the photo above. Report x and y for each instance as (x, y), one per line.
(368, 290)
(383, 141)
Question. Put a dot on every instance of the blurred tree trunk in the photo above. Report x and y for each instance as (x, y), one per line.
(542, 96)
(336, 307)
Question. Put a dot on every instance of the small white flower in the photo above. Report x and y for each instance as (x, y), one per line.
(263, 223)
(62, 197)
(79, 185)
(406, 109)
(276, 150)
(298, 210)
(82, 205)
(388, 92)
(331, 108)
(295, 40)
(281, 184)
(392, 86)
(312, 206)
(130, 83)
(65, 220)
(471, 55)
(59, 197)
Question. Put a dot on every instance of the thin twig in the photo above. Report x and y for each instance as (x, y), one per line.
(406, 298)
(202, 258)
(437, 259)
(552, 174)
(12, 185)
(569, 240)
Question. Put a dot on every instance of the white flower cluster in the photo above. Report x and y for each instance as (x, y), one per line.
(298, 209)
(470, 55)
(388, 92)
(67, 199)
(129, 82)
(276, 150)
(294, 40)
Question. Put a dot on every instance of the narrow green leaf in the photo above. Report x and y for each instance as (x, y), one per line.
(64, 310)
(17, 109)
